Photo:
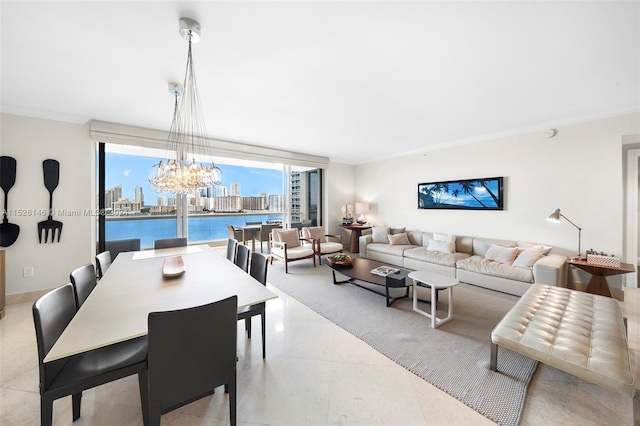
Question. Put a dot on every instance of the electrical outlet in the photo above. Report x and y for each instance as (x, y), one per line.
(27, 271)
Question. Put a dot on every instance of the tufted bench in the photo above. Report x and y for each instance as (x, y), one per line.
(580, 333)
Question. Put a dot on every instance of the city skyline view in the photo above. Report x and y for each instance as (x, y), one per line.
(131, 171)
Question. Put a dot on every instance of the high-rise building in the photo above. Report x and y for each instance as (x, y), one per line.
(139, 197)
(223, 192)
(296, 201)
(276, 203)
(171, 202)
(111, 196)
(235, 189)
(162, 201)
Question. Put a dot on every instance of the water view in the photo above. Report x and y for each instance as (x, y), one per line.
(201, 227)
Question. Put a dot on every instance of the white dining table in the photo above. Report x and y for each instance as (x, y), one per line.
(133, 286)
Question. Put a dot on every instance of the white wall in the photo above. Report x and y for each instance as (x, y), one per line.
(30, 141)
(579, 171)
(339, 190)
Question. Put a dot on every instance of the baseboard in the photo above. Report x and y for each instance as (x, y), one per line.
(29, 296)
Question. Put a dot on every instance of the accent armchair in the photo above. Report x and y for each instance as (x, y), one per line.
(321, 243)
(285, 244)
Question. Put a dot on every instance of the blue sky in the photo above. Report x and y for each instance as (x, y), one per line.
(131, 171)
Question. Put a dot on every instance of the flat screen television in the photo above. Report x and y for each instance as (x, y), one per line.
(467, 194)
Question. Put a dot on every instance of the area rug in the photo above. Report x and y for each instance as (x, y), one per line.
(454, 357)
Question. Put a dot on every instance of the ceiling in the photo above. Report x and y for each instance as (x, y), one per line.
(353, 81)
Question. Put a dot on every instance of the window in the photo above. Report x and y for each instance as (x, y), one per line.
(250, 191)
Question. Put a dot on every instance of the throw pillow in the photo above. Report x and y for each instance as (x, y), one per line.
(315, 232)
(444, 237)
(379, 234)
(398, 239)
(528, 257)
(394, 231)
(441, 246)
(501, 254)
(545, 249)
(289, 236)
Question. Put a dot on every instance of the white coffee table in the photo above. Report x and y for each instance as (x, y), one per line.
(436, 282)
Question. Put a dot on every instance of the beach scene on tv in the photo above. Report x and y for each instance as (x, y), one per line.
(463, 194)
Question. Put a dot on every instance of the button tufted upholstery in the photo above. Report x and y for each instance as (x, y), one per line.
(580, 333)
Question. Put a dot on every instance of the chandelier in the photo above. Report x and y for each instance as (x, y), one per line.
(187, 135)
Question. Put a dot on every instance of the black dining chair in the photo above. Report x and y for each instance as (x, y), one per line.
(169, 242)
(232, 249)
(84, 281)
(52, 312)
(115, 247)
(191, 352)
(242, 257)
(258, 270)
(103, 262)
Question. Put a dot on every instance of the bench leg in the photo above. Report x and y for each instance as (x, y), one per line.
(636, 409)
(494, 357)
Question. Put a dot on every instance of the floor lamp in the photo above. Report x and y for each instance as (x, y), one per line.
(555, 217)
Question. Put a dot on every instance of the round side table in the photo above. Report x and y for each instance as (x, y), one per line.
(436, 282)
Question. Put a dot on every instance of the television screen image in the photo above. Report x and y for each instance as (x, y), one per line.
(468, 194)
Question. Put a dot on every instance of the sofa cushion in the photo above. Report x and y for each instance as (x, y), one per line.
(415, 237)
(501, 254)
(388, 249)
(524, 245)
(442, 246)
(436, 257)
(379, 234)
(526, 258)
(444, 237)
(289, 236)
(481, 245)
(398, 239)
(484, 266)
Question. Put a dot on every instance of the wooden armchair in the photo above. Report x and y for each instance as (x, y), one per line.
(285, 245)
(322, 243)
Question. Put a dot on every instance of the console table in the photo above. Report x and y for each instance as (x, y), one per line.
(356, 232)
(598, 283)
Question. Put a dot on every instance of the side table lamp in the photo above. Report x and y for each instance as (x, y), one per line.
(361, 209)
(555, 217)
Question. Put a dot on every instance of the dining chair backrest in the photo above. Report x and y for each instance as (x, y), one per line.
(253, 223)
(103, 262)
(258, 269)
(52, 312)
(183, 367)
(84, 281)
(169, 242)
(242, 257)
(115, 247)
(232, 249)
(234, 233)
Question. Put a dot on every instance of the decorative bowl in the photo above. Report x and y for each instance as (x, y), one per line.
(340, 259)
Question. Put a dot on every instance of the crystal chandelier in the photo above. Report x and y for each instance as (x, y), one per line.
(188, 134)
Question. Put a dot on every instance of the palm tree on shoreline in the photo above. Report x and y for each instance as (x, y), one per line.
(467, 188)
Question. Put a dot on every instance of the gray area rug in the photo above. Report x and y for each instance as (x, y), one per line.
(454, 357)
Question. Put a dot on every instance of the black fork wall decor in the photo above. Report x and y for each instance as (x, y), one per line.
(51, 169)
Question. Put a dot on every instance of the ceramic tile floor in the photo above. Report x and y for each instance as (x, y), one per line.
(315, 373)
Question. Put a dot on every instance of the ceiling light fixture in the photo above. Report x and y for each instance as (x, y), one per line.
(188, 134)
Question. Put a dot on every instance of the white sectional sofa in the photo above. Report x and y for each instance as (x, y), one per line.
(509, 266)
